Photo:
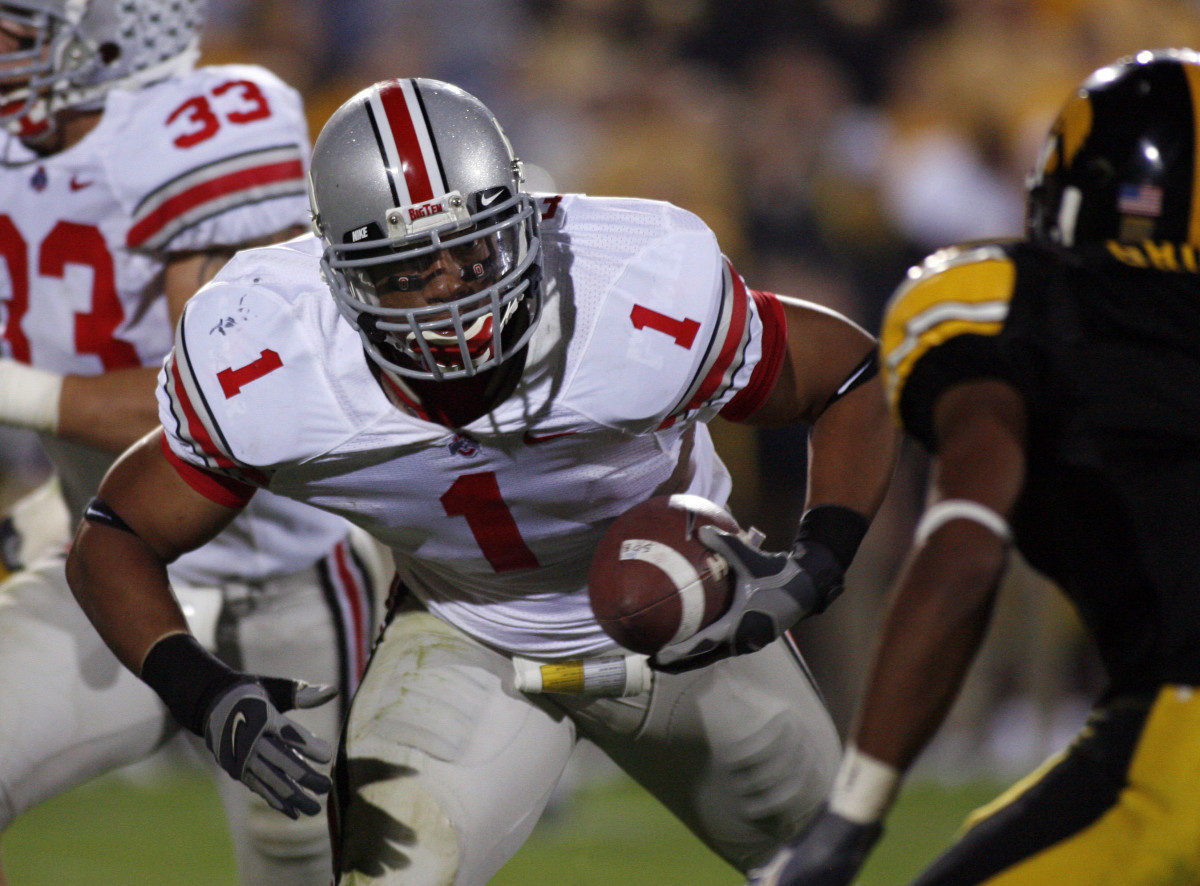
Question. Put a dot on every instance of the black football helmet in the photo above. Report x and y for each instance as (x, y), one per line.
(1120, 160)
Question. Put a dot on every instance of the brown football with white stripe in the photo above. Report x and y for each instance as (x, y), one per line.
(652, 582)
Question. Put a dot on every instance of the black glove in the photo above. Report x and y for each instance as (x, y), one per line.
(270, 754)
(830, 853)
(772, 592)
(240, 716)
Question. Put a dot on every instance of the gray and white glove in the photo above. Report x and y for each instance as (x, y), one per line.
(271, 754)
(772, 592)
(241, 719)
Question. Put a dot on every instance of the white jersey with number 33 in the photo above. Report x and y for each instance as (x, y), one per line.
(647, 332)
(214, 157)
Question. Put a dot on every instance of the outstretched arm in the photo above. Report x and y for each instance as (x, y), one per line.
(144, 516)
(119, 575)
(828, 380)
(940, 607)
(937, 615)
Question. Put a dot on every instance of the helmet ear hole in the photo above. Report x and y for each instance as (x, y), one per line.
(109, 52)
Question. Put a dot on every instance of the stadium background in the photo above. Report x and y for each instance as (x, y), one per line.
(830, 144)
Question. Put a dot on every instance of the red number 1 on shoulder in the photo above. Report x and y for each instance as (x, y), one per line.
(682, 331)
(233, 380)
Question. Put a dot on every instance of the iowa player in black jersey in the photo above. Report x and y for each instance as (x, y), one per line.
(1056, 382)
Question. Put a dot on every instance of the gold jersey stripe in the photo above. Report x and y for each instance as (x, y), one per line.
(953, 293)
(1193, 82)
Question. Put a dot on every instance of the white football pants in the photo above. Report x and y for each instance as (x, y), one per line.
(69, 711)
(445, 767)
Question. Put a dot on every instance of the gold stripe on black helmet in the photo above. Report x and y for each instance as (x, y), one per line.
(1120, 161)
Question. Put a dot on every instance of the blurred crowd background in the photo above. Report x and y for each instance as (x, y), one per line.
(831, 144)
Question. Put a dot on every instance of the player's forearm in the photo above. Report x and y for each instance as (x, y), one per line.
(109, 411)
(122, 586)
(936, 620)
(852, 452)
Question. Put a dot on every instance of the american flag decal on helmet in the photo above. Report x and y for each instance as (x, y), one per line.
(402, 133)
(1140, 199)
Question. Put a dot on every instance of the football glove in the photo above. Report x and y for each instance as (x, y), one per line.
(272, 755)
(829, 854)
(772, 592)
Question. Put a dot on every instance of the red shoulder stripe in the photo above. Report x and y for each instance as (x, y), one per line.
(732, 346)
(196, 428)
(218, 488)
(766, 373)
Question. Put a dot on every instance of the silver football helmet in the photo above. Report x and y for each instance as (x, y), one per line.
(413, 180)
(73, 51)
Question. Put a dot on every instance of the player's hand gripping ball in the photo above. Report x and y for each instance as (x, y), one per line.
(652, 582)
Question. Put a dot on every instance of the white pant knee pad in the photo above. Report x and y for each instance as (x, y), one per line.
(413, 844)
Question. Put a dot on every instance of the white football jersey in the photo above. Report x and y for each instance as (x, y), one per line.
(213, 157)
(646, 333)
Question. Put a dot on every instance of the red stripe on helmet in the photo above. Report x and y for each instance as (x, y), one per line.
(404, 134)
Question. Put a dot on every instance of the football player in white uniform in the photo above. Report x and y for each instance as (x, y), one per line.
(127, 177)
(497, 376)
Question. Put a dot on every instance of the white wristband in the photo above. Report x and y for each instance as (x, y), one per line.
(29, 397)
(864, 787)
(960, 509)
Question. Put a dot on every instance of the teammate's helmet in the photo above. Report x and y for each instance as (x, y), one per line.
(1120, 160)
(80, 49)
(403, 171)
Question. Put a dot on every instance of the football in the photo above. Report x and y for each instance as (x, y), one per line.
(652, 582)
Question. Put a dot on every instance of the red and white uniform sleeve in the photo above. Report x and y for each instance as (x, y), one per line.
(230, 150)
(193, 441)
(746, 352)
(676, 332)
(245, 389)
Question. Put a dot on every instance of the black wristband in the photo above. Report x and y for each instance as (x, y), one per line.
(839, 529)
(187, 678)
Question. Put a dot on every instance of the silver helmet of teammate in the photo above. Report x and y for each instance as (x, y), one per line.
(405, 174)
(72, 52)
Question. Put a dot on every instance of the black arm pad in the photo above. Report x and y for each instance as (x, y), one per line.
(99, 511)
(187, 678)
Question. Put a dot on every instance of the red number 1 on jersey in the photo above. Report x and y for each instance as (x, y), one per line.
(233, 380)
(683, 331)
(477, 497)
